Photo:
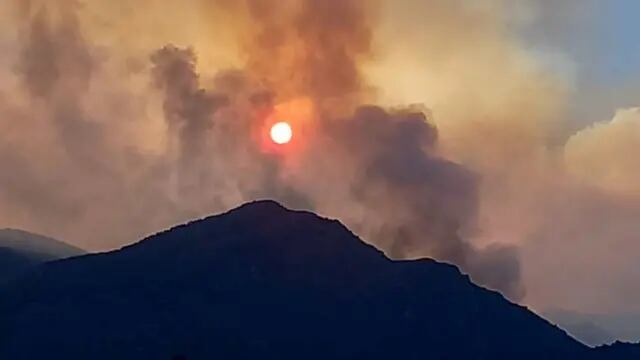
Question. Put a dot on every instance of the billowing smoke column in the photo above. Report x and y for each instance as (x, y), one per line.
(113, 126)
(415, 203)
(188, 108)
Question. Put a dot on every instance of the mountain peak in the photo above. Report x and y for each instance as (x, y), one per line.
(265, 231)
(262, 205)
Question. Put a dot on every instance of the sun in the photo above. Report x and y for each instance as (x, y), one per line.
(281, 133)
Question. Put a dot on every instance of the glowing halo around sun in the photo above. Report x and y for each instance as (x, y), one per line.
(281, 133)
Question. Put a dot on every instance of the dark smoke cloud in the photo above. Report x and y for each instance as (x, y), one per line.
(419, 203)
(188, 108)
(56, 68)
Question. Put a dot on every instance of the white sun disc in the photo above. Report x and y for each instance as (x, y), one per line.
(281, 133)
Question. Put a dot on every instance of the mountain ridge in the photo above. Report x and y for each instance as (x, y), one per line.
(263, 280)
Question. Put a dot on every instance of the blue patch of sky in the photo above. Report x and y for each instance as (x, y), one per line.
(600, 39)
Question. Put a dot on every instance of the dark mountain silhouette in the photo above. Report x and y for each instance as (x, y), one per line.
(618, 350)
(262, 281)
(20, 251)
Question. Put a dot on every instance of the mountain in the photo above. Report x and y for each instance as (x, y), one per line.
(618, 350)
(597, 329)
(20, 251)
(262, 281)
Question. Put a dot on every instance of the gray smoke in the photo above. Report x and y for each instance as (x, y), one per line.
(416, 202)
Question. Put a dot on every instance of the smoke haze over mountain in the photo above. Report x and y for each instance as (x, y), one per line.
(429, 128)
